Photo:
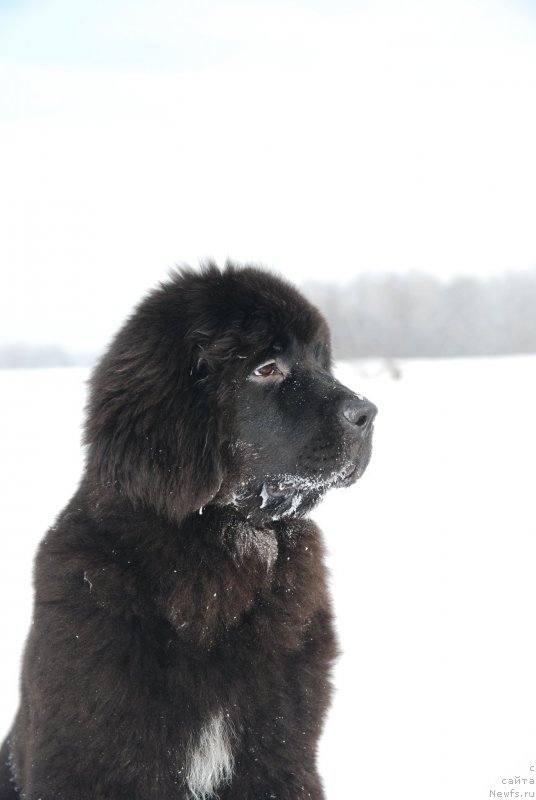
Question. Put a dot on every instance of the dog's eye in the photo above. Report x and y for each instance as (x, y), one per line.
(267, 370)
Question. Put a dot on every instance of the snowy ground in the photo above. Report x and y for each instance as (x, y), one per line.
(433, 558)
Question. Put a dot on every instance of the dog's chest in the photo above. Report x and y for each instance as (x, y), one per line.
(292, 590)
(260, 589)
(255, 546)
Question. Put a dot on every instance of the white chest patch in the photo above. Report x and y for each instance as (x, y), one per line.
(210, 758)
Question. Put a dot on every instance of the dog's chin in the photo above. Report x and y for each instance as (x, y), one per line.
(269, 501)
(292, 495)
(292, 500)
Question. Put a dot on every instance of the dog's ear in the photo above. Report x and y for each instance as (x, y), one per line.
(153, 430)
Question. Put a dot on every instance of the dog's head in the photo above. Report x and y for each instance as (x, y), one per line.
(219, 389)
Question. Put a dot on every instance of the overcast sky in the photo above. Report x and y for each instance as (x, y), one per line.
(324, 139)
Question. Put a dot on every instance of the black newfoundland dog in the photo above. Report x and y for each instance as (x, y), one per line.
(182, 635)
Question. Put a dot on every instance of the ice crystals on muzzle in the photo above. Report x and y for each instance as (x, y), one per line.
(284, 495)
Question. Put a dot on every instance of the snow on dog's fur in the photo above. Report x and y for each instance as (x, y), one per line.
(182, 636)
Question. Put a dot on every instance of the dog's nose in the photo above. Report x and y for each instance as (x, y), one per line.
(360, 412)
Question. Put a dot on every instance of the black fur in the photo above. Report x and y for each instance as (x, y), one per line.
(183, 583)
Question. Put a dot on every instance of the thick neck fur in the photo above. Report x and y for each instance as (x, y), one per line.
(201, 577)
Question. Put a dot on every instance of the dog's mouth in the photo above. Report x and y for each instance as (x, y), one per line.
(348, 476)
(290, 495)
(283, 495)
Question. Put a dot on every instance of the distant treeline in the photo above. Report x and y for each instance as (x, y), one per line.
(416, 315)
(25, 356)
(392, 316)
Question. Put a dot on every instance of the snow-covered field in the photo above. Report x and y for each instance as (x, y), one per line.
(433, 558)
